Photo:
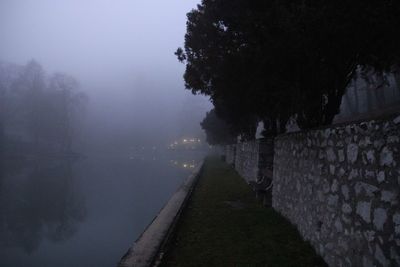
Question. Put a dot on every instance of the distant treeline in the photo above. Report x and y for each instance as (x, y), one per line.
(279, 61)
(38, 113)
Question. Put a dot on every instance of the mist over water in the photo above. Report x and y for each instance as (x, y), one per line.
(93, 114)
(83, 214)
(122, 54)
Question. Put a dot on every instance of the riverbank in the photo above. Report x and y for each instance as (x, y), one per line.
(146, 249)
(224, 225)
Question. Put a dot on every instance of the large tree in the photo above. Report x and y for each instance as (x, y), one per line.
(275, 59)
(8, 73)
(66, 108)
(218, 132)
(39, 110)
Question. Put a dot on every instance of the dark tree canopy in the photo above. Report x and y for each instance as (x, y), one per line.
(270, 60)
(218, 131)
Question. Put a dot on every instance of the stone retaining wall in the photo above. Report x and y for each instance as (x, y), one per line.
(340, 187)
(254, 158)
(246, 161)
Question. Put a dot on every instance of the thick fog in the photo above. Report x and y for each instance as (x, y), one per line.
(122, 55)
(96, 128)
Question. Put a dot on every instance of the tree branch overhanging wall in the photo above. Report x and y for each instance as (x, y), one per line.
(270, 60)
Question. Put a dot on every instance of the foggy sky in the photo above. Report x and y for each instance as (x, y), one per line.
(121, 51)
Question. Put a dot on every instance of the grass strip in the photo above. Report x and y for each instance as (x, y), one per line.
(224, 225)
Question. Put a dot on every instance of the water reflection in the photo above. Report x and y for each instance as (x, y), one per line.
(37, 202)
(184, 164)
(41, 205)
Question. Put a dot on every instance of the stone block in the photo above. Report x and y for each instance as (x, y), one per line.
(386, 157)
(352, 153)
(380, 217)
(346, 208)
(364, 210)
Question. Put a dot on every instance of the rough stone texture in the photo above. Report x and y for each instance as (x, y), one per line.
(254, 160)
(340, 187)
(364, 210)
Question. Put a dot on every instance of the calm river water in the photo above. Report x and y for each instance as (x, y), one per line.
(85, 213)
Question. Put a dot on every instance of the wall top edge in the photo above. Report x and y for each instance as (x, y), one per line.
(394, 117)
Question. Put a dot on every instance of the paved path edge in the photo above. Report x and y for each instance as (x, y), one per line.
(147, 249)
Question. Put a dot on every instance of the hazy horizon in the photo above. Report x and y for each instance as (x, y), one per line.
(122, 54)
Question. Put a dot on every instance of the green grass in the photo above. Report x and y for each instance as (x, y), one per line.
(212, 232)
